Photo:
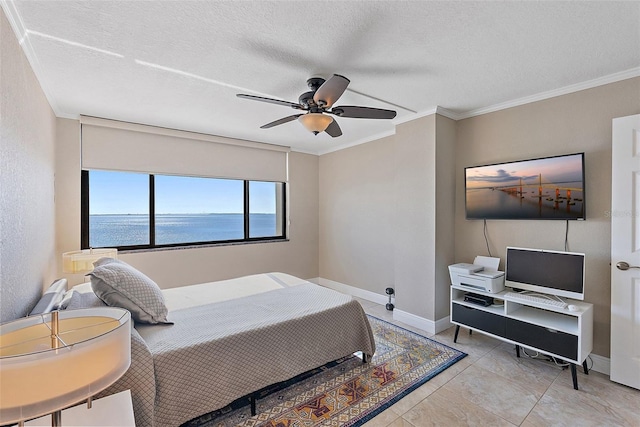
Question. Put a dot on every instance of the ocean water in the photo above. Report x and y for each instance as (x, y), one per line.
(129, 230)
(499, 203)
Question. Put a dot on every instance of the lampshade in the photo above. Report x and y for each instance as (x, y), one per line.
(315, 122)
(82, 261)
(43, 372)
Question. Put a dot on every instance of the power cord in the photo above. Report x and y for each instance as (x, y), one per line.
(486, 240)
(590, 360)
(559, 363)
(566, 238)
(544, 357)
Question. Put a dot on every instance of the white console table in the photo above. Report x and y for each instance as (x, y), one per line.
(558, 332)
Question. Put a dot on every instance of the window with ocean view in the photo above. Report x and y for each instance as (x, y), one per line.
(263, 217)
(136, 210)
(119, 209)
(190, 209)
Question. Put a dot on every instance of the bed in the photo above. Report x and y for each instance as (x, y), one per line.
(225, 340)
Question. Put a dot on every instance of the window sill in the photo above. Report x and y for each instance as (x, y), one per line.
(211, 245)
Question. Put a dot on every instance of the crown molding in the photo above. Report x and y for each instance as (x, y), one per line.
(437, 110)
(611, 78)
(357, 142)
(14, 19)
(303, 151)
(600, 81)
(68, 116)
(589, 84)
(16, 23)
(447, 113)
(418, 115)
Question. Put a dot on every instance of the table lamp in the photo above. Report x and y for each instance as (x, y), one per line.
(52, 361)
(82, 261)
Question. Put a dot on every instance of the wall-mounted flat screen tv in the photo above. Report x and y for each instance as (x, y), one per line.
(545, 188)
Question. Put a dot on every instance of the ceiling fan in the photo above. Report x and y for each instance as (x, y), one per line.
(318, 101)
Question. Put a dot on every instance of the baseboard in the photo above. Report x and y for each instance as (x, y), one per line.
(430, 326)
(443, 324)
(601, 364)
(352, 290)
(427, 325)
(415, 321)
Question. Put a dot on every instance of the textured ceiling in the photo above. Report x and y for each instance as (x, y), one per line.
(179, 64)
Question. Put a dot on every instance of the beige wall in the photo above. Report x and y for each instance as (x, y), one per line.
(415, 216)
(67, 192)
(576, 122)
(27, 135)
(445, 175)
(357, 216)
(380, 225)
(179, 267)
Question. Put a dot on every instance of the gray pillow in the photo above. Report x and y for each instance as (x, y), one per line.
(120, 285)
(84, 300)
(51, 298)
(106, 260)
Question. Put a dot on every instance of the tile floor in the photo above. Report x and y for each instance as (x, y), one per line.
(492, 387)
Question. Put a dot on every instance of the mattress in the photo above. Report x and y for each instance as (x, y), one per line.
(233, 337)
(225, 290)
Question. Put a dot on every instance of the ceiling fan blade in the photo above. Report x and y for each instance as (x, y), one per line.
(333, 129)
(281, 121)
(363, 112)
(331, 90)
(270, 100)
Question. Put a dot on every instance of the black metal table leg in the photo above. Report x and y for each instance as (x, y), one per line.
(252, 399)
(517, 350)
(584, 366)
(574, 375)
(455, 336)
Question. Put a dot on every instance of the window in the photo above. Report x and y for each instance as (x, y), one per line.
(264, 220)
(134, 210)
(192, 209)
(118, 209)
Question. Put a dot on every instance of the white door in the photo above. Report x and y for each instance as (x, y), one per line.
(625, 252)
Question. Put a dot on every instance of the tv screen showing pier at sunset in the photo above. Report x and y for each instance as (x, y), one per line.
(544, 188)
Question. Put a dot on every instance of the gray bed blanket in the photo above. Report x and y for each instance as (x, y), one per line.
(139, 378)
(216, 353)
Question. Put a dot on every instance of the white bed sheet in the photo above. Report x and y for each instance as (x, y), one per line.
(223, 290)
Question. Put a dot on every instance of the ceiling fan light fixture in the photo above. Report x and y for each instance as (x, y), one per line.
(319, 100)
(315, 122)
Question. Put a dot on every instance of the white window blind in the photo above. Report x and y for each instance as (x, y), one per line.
(121, 146)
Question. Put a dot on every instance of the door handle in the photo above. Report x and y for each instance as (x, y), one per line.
(624, 266)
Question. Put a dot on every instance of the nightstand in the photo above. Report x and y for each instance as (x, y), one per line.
(113, 410)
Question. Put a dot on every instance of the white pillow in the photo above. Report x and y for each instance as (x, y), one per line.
(120, 285)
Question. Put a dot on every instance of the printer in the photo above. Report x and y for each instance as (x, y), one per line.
(482, 275)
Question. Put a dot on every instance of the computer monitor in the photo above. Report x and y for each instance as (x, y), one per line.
(546, 271)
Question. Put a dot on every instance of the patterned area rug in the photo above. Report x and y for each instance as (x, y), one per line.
(345, 392)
